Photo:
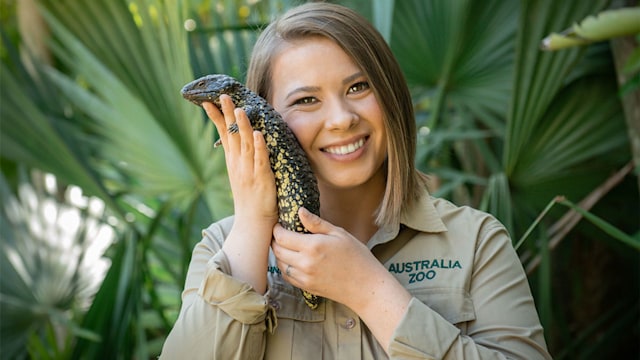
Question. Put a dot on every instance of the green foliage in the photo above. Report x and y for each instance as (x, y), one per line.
(107, 116)
(507, 128)
(51, 262)
(603, 26)
(503, 127)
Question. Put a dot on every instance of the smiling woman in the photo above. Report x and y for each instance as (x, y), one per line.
(335, 115)
(368, 51)
(452, 287)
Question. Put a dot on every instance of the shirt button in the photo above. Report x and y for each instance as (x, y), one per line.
(350, 323)
(275, 305)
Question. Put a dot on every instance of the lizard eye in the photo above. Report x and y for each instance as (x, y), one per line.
(200, 84)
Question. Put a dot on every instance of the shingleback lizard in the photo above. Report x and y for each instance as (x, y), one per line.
(296, 185)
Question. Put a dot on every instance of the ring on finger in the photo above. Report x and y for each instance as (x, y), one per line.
(288, 271)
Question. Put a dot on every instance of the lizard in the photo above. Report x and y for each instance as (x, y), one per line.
(296, 185)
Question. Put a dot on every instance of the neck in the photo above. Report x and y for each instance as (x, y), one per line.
(353, 209)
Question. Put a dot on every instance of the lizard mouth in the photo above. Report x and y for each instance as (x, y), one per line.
(199, 97)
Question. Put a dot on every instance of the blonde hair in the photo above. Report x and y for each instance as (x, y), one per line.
(364, 44)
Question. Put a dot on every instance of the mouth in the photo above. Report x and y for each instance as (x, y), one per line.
(346, 149)
(199, 97)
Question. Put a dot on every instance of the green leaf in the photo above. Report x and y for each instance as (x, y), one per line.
(604, 225)
(119, 293)
(145, 127)
(29, 137)
(539, 76)
(458, 53)
(605, 25)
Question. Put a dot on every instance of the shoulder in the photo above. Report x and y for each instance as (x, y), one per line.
(466, 221)
(449, 212)
(437, 215)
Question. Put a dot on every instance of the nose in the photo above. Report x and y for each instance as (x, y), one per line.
(341, 116)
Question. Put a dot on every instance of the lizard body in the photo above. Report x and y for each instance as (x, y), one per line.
(296, 186)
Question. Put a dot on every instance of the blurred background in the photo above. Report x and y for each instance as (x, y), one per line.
(109, 176)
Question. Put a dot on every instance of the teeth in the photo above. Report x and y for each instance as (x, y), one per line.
(345, 149)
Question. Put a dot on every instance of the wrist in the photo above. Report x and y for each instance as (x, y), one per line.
(254, 222)
(381, 306)
(247, 249)
(382, 290)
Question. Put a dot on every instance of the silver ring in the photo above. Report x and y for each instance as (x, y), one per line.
(288, 271)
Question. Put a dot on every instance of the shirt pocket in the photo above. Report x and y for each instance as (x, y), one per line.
(299, 332)
(453, 304)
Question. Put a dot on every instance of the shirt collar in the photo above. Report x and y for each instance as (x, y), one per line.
(420, 215)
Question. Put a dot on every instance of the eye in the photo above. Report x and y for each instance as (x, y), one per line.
(358, 87)
(308, 100)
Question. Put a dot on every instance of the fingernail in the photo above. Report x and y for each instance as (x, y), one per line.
(303, 212)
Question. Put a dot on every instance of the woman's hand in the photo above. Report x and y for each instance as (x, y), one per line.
(254, 194)
(252, 181)
(333, 264)
(330, 262)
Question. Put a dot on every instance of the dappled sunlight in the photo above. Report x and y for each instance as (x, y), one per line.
(57, 245)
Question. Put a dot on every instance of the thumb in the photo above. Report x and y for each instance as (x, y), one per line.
(314, 223)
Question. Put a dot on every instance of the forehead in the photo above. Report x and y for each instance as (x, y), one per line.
(312, 58)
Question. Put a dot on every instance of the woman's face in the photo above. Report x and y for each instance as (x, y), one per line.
(327, 102)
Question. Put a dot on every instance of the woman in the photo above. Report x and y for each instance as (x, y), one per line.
(454, 289)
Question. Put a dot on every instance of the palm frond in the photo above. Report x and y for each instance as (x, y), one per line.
(52, 261)
(539, 76)
(130, 87)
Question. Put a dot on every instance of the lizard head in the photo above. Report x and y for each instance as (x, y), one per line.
(210, 87)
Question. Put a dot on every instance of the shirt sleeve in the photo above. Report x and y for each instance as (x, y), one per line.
(221, 317)
(506, 324)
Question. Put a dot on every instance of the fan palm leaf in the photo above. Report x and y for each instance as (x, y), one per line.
(505, 126)
(479, 65)
(147, 130)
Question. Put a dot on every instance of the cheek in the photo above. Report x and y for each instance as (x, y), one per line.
(303, 130)
(374, 114)
(381, 135)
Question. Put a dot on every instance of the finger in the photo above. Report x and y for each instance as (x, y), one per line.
(289, 272)
(216, 116)
(245, 132)
(285, 259)
(229, 112)
(218, 119)
(228, 107)
(285, 242)
(261, 153)
(314, 223)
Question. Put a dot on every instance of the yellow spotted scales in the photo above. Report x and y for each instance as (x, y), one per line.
(296, 186)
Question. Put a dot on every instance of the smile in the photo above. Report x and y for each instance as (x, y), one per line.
(345, 149)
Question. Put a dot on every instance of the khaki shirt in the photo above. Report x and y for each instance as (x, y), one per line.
(471, 300)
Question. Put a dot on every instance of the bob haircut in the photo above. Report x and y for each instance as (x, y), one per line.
(364, 44)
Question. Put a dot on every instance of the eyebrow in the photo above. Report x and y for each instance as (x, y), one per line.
(346, 81)
(302, 89)
(352, 78)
